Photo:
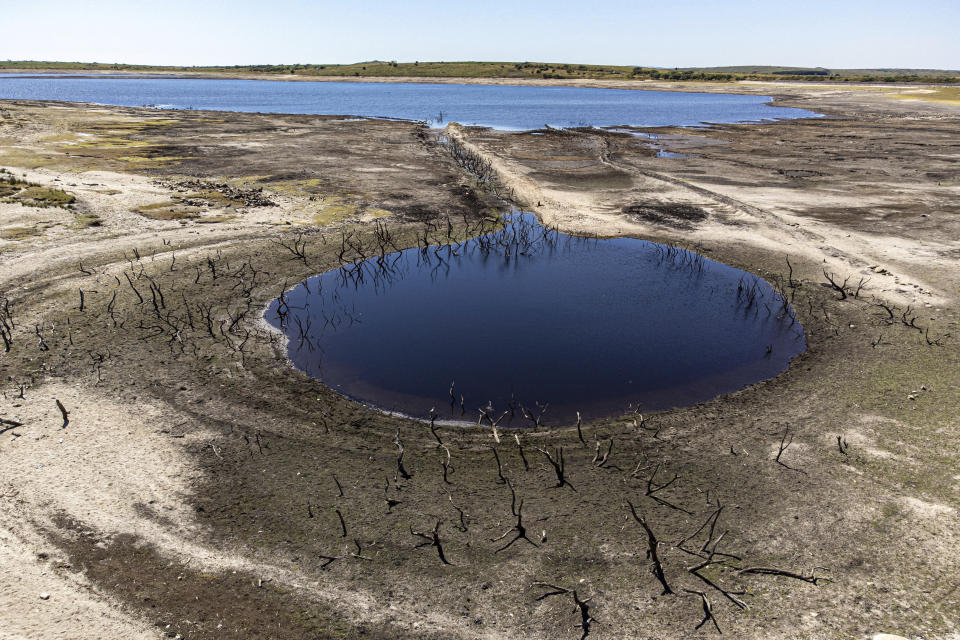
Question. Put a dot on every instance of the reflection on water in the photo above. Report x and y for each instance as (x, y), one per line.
(526, 320)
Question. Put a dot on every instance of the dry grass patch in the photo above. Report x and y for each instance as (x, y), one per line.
(950, 95)
(216, 219)
(168, 210)
(18, 233)
(87, 220)
(30, 194)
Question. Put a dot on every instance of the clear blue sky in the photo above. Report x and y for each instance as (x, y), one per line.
(665, 33)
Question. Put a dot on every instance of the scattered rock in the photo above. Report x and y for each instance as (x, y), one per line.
(249, 197)
(44, 596)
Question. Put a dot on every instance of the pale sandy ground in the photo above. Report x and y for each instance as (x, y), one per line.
(113, 469)
(762, 221)
(110, 458)
(118, 472)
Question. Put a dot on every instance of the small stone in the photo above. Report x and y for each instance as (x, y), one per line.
(44, 596)
(887, 636)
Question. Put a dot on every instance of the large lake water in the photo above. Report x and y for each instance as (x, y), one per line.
(502, 107)
(526, 316)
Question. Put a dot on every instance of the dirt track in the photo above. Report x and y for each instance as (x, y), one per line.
(199, 486)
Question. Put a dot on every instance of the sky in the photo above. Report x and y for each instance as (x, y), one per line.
(665, 33)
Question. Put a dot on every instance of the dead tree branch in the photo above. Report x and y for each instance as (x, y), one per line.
(401, 471)
(785, 442)
(653, 547)
(707, 611)
(64, 413)
(653, 488)
(559, 466)
(840, 288)
(518, 528)
(432, 538)
(813, 578)
(500, 478)
(581, 606)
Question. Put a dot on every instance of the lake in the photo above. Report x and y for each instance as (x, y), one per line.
(501, 107)
(524, 317)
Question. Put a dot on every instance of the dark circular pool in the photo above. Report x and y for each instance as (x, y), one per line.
(526, 317)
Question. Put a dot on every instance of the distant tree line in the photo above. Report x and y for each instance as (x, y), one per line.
(507, 70)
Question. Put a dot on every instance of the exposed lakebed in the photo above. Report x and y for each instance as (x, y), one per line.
(525, 316)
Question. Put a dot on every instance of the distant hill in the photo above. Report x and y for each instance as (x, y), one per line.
(546, 70)
(821, 71)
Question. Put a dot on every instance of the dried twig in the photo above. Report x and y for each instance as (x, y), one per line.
(813, 578)
(401, 471)
(586, 619)
(64, 413)
(785, 442)
(707, 610)
(8, 425)
(432, 538)
(653, 488)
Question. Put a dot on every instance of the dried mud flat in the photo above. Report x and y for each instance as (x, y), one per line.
(198, 486)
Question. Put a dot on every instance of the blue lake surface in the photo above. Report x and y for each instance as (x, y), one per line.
(501, 107)
(526, 315)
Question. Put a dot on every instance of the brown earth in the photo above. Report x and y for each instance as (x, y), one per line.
(204, 488)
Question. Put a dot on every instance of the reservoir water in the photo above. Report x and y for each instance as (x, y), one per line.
(520, 319)
(501, 107)
(526, 317)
